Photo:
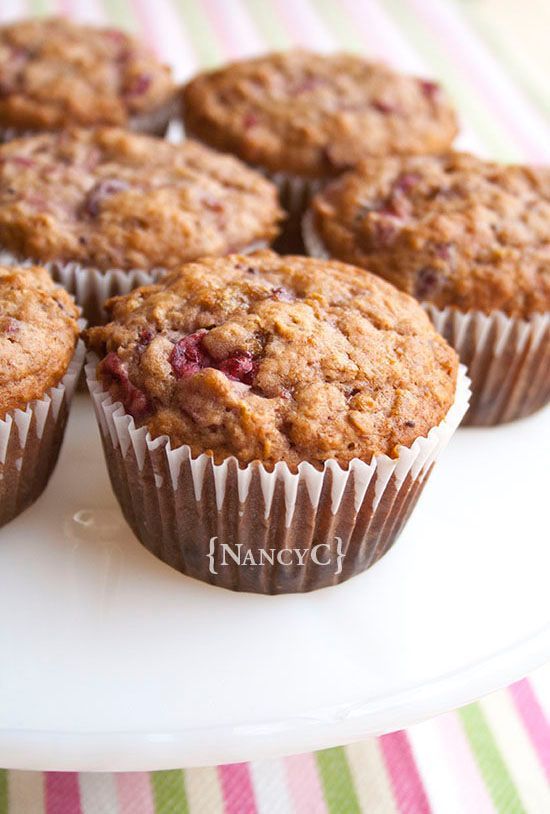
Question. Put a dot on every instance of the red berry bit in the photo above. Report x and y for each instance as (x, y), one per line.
(188, 356)
(406, 182)
(307, 84)
(213, 204)
(429, 89)
(383, 107)
(241, 367)
(428, 280)
(249, 120)
(100, 191)
(386, 230)
(22, 161)
(9, 326)
(139, 85)
(135, 401)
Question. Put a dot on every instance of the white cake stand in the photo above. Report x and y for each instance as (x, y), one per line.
(112, 661)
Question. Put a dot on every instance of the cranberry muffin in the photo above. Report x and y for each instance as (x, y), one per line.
(263, 365)
(55, 73)
(466, 237)
(304, 117)
(88, 202)
(38, 372)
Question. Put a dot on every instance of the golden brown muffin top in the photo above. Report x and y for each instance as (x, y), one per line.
(108, 198)
(273, 358)
(55, 73)
(316, 114)
(38, 334)
(453, 230)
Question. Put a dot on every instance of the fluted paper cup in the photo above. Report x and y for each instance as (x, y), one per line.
(508, 358)
(30, 440)
(248, 528)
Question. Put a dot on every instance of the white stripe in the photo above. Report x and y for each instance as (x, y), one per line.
(441, 782)
(98, 793)
(311, 29)
(517, 751)
(89, 11)
(12, 10)
(26, 792)
(237, 20)
(270, 786)
(202, 787)
(501, 86)
(172, 37)
(370, 777)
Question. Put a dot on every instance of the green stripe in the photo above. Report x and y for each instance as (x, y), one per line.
(339, 26)
(534, 84)
(491, 764)
(169, 792)
(40, 7)
(338, 786)
(434, 52)
(120, 14)
(267, 22)
(200, 33)
(3, 791)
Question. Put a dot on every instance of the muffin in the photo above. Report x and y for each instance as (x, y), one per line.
(39, 365)
(56, 74)
(468, 238)
(107, 210)
(272, 403)
(303, 117)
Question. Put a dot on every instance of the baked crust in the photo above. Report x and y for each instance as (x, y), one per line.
(38, 334)
(315, 115)
(453, 230)
(55, 73)
(108, 198)
(273, 358)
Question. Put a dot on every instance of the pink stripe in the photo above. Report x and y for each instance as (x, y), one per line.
(304, 785)
(476, 68)
(304, 25)
(134, 793)
(534, 720)
(474, 794)
(407, 784)
(142, 12)
(62, 793)
(221, 25)
(237, 790)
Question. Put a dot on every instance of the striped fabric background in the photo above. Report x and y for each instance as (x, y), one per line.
(493, 756)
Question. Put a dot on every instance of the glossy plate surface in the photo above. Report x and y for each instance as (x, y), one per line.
(112, 661)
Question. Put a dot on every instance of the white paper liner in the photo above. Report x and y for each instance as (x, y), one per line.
(91, 287)
(508, 358)
(177, 504)
(295, 194)
(508, 361)
(30, 440)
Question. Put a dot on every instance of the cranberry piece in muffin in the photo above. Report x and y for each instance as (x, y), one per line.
(110, 199)
(342, 367)
(55, 73)
(313, 115)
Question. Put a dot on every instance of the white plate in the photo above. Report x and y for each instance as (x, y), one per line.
(112, 661)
